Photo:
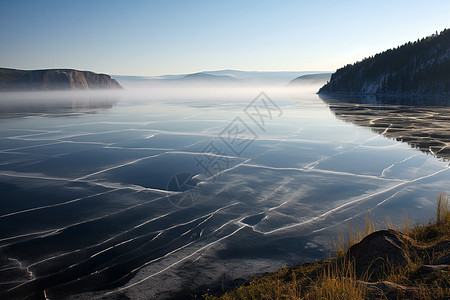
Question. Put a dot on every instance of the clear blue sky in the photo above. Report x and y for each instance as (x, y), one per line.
(172, 37)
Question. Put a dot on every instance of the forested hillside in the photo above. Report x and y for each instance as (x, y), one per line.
(415, 68)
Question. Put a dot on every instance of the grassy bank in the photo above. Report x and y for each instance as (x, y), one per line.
(416, 271)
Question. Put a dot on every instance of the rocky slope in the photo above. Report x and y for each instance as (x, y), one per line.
(54, 79)
(418, 68)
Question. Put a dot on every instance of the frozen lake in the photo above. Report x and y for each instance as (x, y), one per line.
(136, 198)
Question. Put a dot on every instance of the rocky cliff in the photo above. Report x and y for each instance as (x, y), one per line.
(54, 79)
(418, 68)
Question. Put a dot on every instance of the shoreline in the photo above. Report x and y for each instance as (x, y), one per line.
(383, 264)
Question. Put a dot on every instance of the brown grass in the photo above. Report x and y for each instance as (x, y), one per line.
(438, 229)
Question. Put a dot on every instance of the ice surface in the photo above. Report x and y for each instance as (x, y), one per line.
(85, 205)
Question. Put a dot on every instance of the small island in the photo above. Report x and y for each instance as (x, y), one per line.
(320, 78)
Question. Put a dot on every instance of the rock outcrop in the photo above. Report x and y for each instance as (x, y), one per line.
(385, 250)
(54, 79)
(380, 248)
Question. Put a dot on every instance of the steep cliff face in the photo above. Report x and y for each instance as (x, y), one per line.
(54, 79)
(419, 68)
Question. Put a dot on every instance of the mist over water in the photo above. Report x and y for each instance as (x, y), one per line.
(135, 192)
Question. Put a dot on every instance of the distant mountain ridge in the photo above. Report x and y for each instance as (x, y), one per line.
(280, 78)
(202, 76)
(418, 68)
(54, 79)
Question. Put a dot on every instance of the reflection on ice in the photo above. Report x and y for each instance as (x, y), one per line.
(423, 126)
(17, 104)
